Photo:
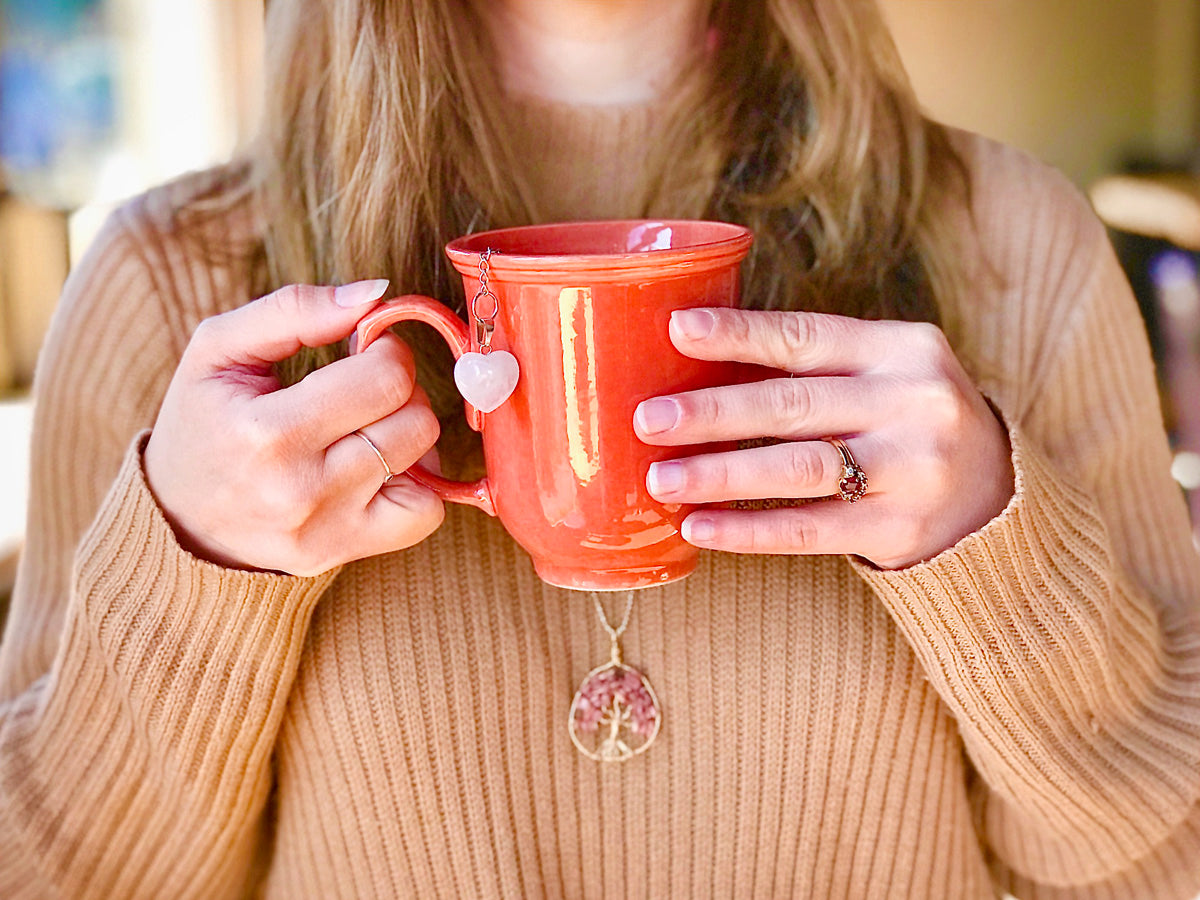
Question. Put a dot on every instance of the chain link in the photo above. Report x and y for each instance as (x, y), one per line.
(614, 633)
(485, 324)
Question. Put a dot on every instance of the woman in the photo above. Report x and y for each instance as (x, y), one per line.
(239, 663)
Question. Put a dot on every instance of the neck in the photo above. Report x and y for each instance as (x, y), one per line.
(594, 52)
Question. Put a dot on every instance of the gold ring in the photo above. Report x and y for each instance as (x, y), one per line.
(853, 483)
(388, 473)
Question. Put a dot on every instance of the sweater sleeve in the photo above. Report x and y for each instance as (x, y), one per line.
(1064, 635)
(141, 689)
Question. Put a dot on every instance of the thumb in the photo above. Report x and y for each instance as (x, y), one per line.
(274, 327)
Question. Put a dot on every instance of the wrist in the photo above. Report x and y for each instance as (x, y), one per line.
(190, 539)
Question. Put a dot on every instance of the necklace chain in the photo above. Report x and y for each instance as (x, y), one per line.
(614, 633)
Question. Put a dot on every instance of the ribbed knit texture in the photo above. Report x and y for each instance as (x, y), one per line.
(1021, 713)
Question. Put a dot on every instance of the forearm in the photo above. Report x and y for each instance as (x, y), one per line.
(140, 764)
(1078, 702)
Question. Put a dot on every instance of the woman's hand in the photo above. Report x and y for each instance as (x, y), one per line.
(936, 456)
(253, 475)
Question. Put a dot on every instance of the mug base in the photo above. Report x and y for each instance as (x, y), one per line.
(630, 579)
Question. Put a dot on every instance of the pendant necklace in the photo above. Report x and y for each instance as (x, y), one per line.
(614, 715)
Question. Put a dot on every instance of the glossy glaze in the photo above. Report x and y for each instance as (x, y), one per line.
(584, 307)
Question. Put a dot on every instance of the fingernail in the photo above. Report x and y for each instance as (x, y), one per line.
(359, 292)
(698, 530)
(694, 324)
(657, 415)
(664, 477)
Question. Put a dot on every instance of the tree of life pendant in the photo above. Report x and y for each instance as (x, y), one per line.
(614, 715)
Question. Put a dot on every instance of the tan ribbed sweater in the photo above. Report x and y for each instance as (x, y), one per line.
(1021, 713)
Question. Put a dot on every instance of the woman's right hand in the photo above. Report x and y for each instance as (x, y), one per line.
(253, 475)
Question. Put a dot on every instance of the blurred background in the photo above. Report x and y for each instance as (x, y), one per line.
(99, 99)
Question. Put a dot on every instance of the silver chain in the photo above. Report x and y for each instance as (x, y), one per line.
(614, 633)
(485, 324)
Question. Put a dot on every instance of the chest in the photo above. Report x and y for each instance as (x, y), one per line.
(430, 717)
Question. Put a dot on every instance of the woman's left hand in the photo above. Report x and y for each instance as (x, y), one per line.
(937, 459)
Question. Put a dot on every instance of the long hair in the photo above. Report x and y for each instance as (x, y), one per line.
(381, 142)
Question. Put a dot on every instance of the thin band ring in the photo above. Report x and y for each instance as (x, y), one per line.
(387, 470)
(853, 483)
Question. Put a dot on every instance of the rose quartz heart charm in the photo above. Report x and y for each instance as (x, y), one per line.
(486, 380)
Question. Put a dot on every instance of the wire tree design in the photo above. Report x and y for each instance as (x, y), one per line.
(617, 707)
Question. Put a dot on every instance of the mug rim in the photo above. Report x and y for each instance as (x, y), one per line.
(730, 248)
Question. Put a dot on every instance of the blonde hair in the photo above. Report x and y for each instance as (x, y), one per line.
(381, 142)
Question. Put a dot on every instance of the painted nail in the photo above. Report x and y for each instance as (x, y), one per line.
(358, 293)
(658, 414)
(698, 530)
(664, 477)
(694, 324)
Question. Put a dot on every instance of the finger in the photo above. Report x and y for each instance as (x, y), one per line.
(431, 462)
(332, 401)
(401, 514)
(789, 470)
(396, 516)
(800, 342)
(274, 327)
(796, 408)
(401, 438)
(825, 527)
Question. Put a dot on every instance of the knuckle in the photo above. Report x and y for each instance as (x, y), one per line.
(395, 388)
(937, 395)
(285, 299)
(794, 533)
(798, 330)
(291, 298)
(793, 397)
(734, 325)
(392, 350)
(266, 457)
(929, 343)
(927, 336)
(207, 333)
(261, 438)
(944, 404)
(426, 429)
(391, 384)
(801, 467)
(272, 440)
(719, 410)
(291, 432)
(399, 351)
(291, 508)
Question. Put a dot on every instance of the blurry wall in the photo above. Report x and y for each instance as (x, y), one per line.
(170, 85)
(1079, 83)
(190, 73)
(173, 85)
(189, 94)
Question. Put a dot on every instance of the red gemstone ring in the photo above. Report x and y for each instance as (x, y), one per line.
(853, 483)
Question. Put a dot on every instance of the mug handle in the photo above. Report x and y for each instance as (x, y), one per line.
(416, 308)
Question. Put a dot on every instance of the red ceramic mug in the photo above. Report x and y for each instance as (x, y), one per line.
(584, 308)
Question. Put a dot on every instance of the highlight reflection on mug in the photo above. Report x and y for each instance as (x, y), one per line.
(575, 314)
(651, 236)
